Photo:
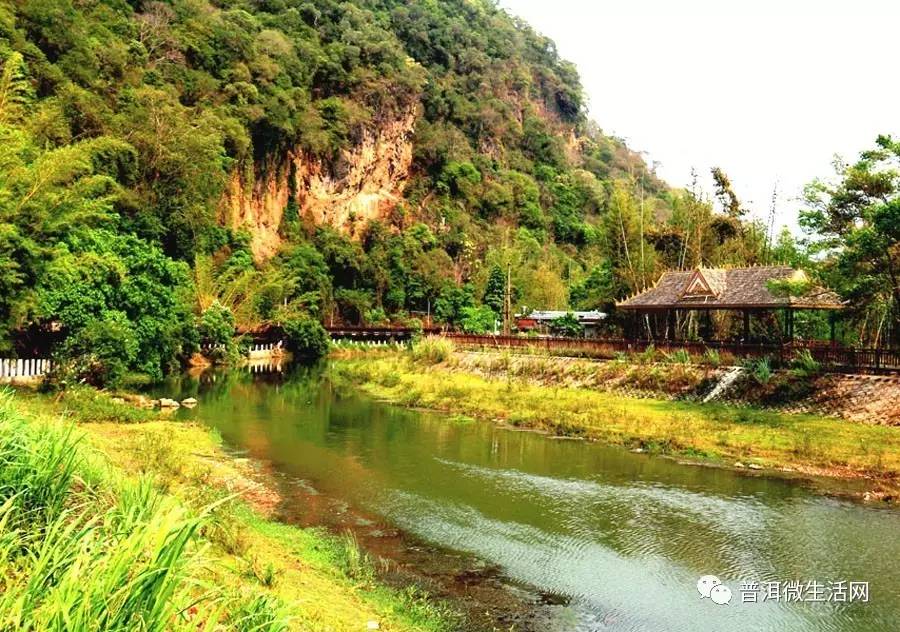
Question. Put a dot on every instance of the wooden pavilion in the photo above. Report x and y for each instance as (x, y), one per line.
(656, 312)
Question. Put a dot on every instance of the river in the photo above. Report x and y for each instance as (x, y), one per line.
(596, 537)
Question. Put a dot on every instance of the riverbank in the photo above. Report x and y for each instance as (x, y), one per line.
(150, 520)
(741, 437)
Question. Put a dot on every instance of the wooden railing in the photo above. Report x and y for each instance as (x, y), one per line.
(831, 357)
(376, 333)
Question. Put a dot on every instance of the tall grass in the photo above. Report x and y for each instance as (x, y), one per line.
(761, 370)
(680, 427)
(77, 556)
(432, 350)
(37, 467)
(712, 358)
(805, 365)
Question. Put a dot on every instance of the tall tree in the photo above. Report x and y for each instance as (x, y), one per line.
(726, 195)
(856, 223)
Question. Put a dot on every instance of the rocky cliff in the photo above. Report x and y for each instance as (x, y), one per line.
(365, 182)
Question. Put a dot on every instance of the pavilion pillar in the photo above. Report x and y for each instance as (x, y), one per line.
(707, 325)
(832, 324)
(746, 326)
(671, 321)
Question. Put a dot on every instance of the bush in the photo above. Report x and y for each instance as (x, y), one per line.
(712, 358)
(805, 365)
(306, 336)
(376, 316)
(100, 353)
(477, 320)
(216, 325)
(681, 356)
(761, 370)
(647, 356)
(568, 326)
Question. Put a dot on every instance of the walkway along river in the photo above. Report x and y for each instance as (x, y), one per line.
(600, 538)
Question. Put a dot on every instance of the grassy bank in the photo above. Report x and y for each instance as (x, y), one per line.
(132, 522)
(436, 379)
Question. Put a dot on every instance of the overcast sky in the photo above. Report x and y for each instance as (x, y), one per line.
(768, 90)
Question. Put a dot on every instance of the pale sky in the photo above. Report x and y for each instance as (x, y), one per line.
(769, 91)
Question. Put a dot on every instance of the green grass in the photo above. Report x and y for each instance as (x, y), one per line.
(107, 554)
(820, 444)
(150, 526)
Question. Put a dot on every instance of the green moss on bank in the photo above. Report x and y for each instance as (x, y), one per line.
(810, 443)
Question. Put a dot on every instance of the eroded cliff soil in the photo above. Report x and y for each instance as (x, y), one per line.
(366, 182)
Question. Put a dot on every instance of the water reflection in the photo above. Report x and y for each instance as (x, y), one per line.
(622, 537)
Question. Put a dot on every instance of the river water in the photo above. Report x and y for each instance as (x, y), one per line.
(607, 539)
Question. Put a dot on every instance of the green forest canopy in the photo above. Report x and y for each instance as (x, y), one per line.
(122, 121)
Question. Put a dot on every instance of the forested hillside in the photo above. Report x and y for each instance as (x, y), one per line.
(169, 168)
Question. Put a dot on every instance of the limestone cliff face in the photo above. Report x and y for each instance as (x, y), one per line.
(365, 183)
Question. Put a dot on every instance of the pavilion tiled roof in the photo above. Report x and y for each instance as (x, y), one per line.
(729, 288)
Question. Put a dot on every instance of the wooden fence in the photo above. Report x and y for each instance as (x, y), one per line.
(22, 369)
(831, 357)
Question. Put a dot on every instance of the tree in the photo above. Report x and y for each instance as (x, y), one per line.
(495, 290)
(597, 289)
(856, 224)
(726, 195)
(306, 336)
(449, 306)
(478, 320)
(216, 325)
(567, 325)
(102, 273)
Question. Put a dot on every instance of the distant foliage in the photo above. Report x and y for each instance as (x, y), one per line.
(567, 325)
(123, 127)
(216, 326)
(306, 336)
(478, 320)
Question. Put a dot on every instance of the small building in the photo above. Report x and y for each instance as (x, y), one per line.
(750, 292)
(540, 321)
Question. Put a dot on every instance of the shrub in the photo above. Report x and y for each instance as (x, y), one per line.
(376, 316)
(804, 364)
(648, 355)
(567, 326)
(101, 352)
(477, 320)
(680, 356)
(216, 328)
(712, 358)
(761, 369)
(216, 325)
(306, 336)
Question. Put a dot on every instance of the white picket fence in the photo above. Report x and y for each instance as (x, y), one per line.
(265, 350)
(264, 366)
(22, 369)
